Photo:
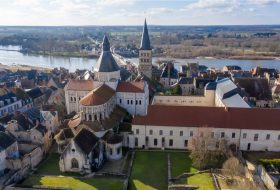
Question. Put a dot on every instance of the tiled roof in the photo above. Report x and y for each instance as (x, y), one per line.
(86, 140)
(98, 96)
(80, 85)
(218, 117)
(136, 87)
(75, 121)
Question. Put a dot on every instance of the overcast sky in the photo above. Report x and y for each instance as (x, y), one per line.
(133, 12)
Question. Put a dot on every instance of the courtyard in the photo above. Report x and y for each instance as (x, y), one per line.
(48, 175)
(150, 171)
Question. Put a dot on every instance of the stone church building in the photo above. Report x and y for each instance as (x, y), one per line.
(100, 104)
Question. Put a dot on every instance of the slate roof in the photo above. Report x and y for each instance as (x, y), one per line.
(111, 138)
(169, 71)
(86, 140)
(185, 80)
(42, 129)
(9, 96)
(255, 87)
(5, 141)
(202, 81)
(35, 93)
(233, 67)
(33, 114)
(145, 40)
(98, 96)
(65, 134)
(135, 87)
(21, 94)
(23, 122)
(217, 117)
(106, 61)
(2, 128)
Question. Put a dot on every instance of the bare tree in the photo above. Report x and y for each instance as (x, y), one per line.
(232, 167)
(209, 151)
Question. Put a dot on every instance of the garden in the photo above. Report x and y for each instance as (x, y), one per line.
(150, 171)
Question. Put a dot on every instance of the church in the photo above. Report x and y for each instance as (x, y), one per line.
(100, 105)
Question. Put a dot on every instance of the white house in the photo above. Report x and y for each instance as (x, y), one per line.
(175, 127)
(222, 93)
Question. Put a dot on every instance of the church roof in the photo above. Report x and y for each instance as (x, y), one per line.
(145, 41)
(86, 140)
(106, 61)
(80, 85)
(98, 96)
(136, 87)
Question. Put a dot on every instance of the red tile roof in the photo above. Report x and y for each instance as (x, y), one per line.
(80, 85)
(136, 87)
(218, 117)
(98, 96)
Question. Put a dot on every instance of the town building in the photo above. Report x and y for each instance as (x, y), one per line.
(175, 127)
(100, 105)
(97, 98)
(8, 150)
(222, 93)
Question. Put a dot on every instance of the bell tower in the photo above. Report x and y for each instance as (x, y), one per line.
(145, 54)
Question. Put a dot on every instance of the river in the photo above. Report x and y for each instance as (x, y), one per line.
(73, 63)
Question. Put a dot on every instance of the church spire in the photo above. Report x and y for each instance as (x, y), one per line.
(145, 41)
(105, 44)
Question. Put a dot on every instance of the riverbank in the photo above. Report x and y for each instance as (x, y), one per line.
(60, 54)
(15, 68)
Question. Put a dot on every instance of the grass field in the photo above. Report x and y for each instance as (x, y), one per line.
(75, 183)
(48, 175)
(149, 171)
(181, 163)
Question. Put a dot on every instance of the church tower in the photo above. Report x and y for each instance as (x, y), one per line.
(145, 54)
(107, 70)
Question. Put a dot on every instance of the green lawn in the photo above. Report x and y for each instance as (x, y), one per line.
(149, 171)
(181, 163)
(75, 183)
(69, 180)
(203, 180)
(50, 166)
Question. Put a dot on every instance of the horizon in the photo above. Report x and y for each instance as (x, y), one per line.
(133, 12)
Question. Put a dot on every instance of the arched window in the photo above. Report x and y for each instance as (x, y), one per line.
(95, 117)
(74, 163)
(90, 117)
